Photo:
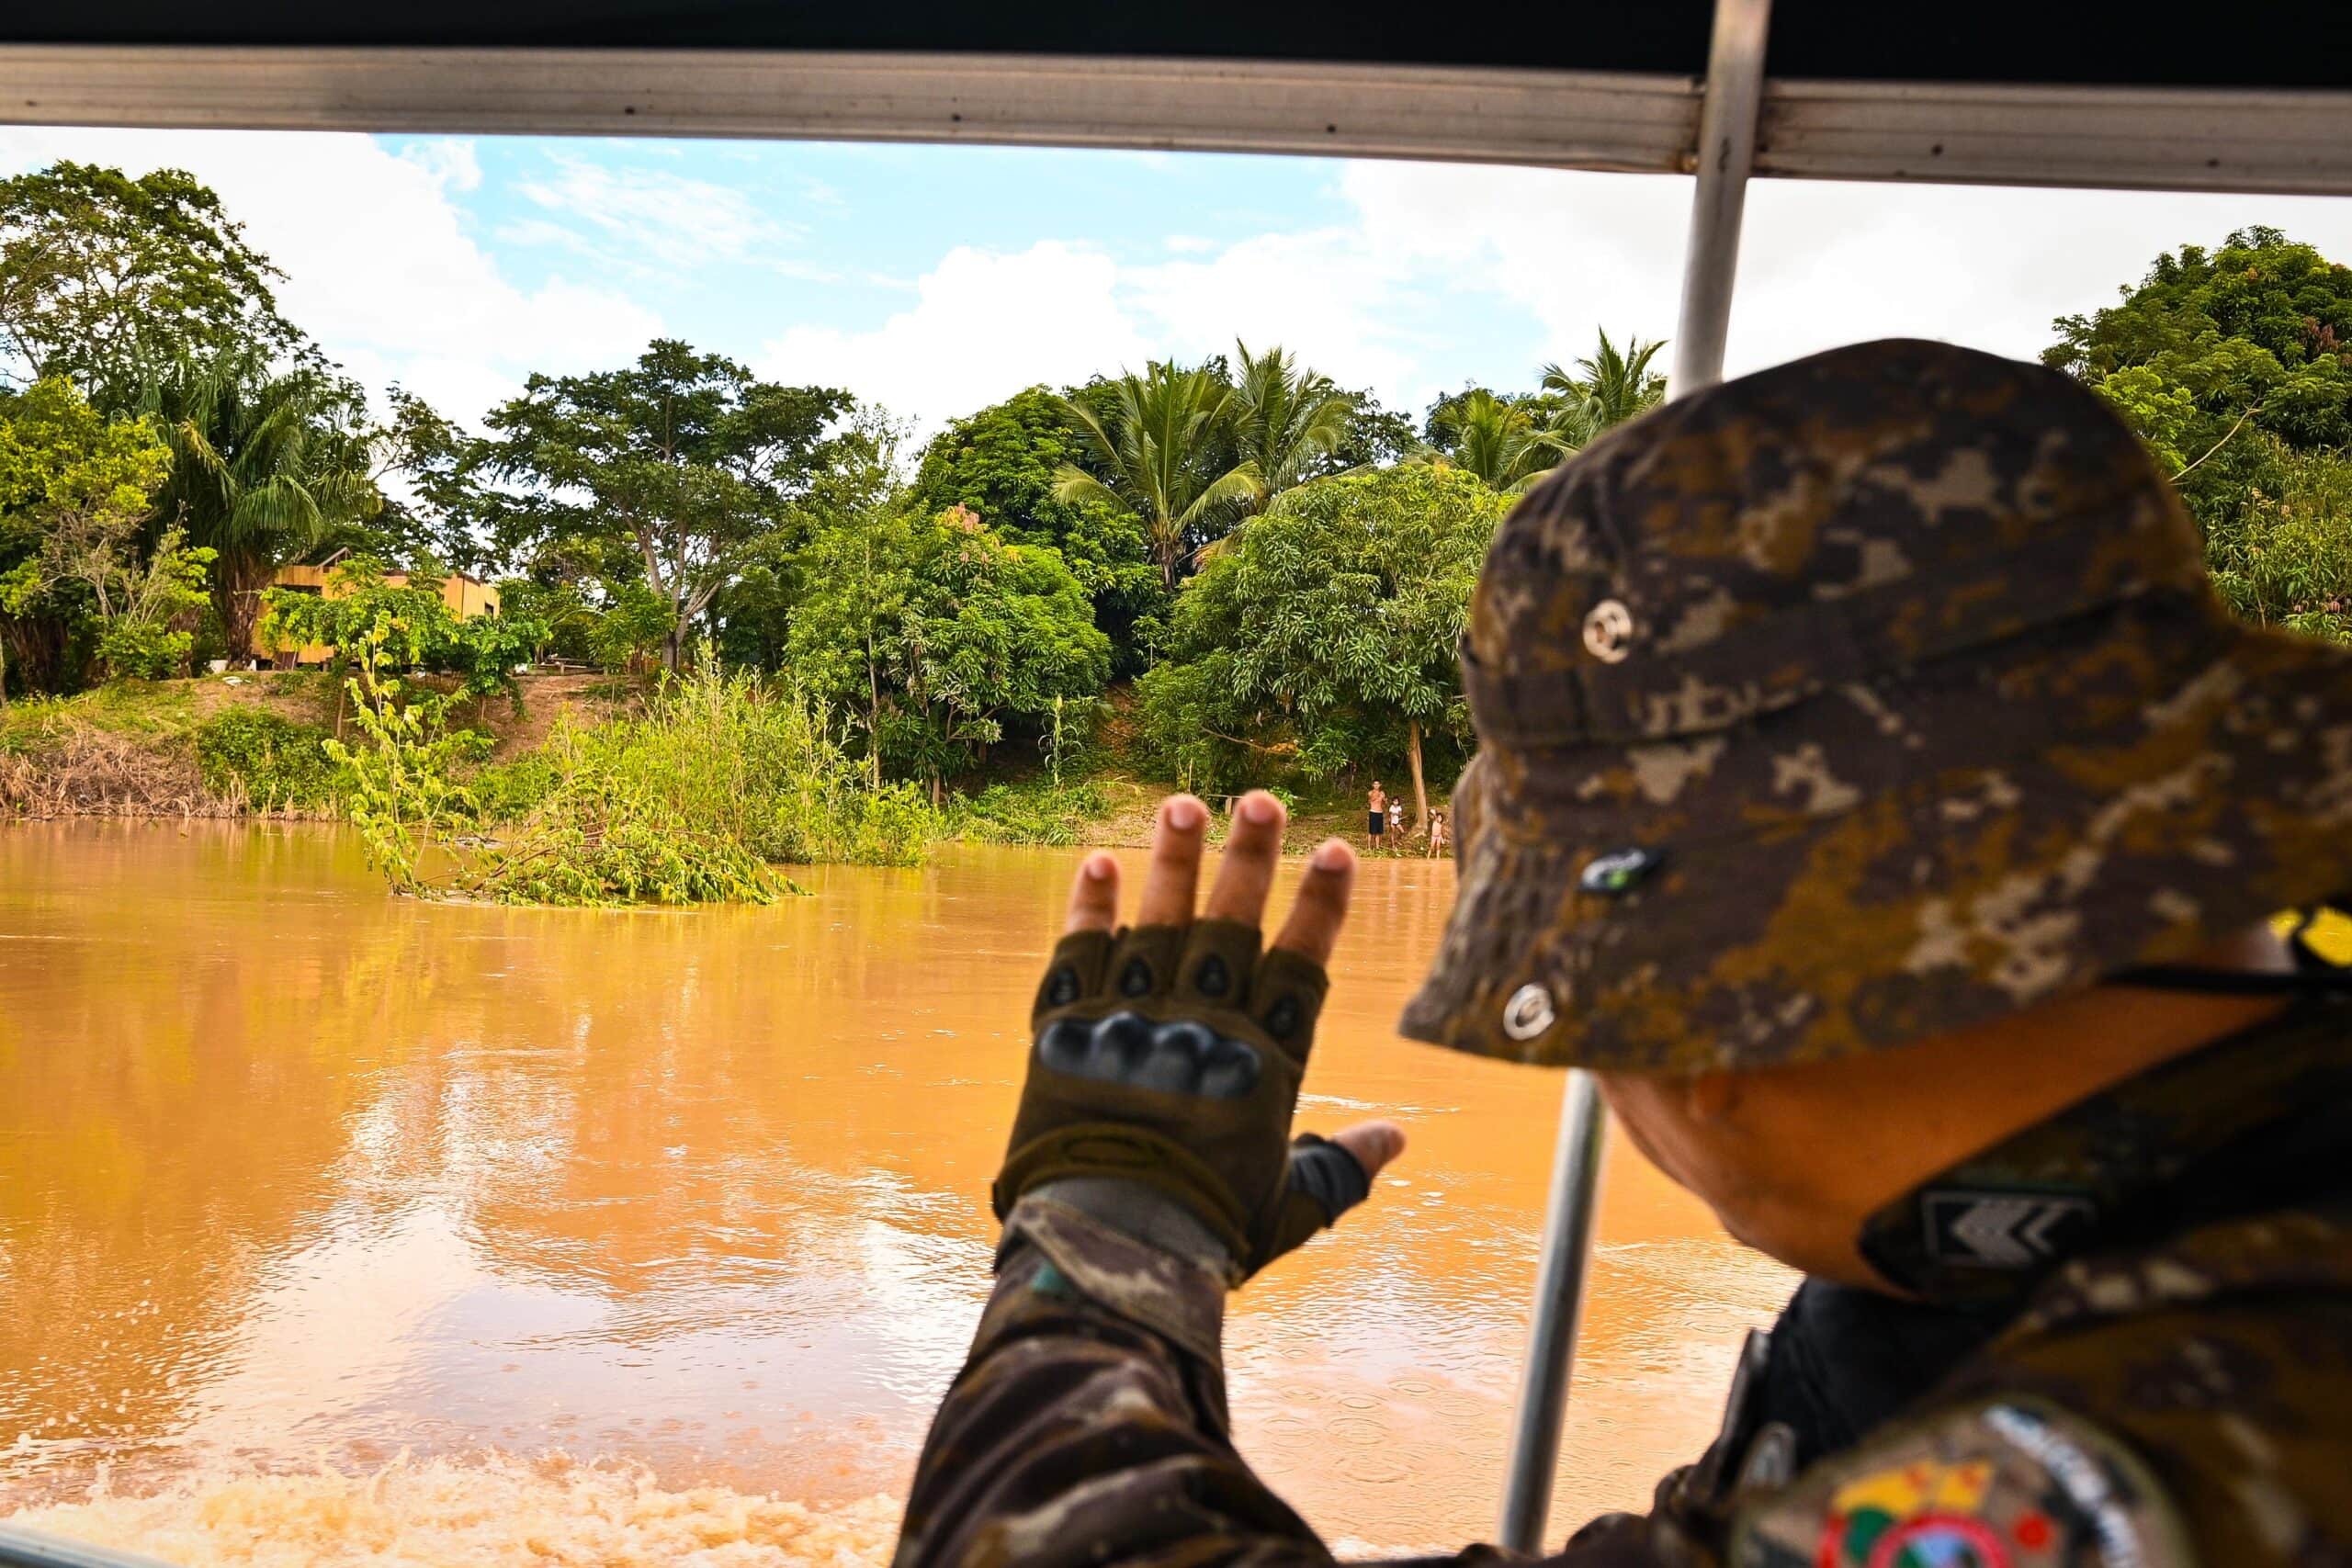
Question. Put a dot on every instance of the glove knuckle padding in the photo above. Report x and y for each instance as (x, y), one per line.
(1143, 961)
(1073, 973)
(1171, 1055)
(1286, 996)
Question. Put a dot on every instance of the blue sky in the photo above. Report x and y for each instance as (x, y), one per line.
(934, 279)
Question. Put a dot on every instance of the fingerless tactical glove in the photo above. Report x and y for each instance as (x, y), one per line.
(1171, 1056)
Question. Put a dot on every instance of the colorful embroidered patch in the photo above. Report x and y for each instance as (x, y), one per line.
(2010, 1483)
(2325, 933)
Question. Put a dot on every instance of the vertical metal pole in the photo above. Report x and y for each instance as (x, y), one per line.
(1726, 149)
(1559, 1299)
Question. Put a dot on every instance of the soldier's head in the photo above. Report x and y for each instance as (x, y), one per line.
(1845, 731)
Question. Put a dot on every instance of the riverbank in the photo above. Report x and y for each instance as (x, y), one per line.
(248, 746)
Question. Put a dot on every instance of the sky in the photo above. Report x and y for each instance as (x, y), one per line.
(935, 280)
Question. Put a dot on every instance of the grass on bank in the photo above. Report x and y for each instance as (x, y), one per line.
(593, 790)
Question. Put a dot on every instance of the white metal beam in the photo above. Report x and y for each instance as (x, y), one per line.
(2172, 138)
(2167, 138)
(1555, 118)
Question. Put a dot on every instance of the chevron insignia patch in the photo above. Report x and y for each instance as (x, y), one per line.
(2014, 1231)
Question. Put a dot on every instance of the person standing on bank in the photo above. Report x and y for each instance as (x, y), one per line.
(1874, 796)
(1376, 822)
(1437, 833)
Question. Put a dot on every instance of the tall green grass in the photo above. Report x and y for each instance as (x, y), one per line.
(722, 777)
(694, 800)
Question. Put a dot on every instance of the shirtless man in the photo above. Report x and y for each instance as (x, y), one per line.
(1376, 827)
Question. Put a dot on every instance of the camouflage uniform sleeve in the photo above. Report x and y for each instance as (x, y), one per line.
(1088, 1424)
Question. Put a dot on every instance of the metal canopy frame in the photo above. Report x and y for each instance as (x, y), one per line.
(1735, 123)
(2168, 138)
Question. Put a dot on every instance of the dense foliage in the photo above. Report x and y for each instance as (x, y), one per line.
(1001, 463)
(839, 648)
(665, 473)
(266, 761)
(1322, 638)
(74, 488)
(106, 280)
(2235, 366)
(267, 464)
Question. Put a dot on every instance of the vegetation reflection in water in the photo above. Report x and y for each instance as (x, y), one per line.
(294, 1174)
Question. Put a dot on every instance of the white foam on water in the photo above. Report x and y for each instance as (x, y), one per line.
(491, 1510)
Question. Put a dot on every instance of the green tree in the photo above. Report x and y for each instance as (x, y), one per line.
(1161, 452)
(268, 465)
(667, 472)
(1003, 463)
(937, 632)
(859, 577)
(1500, 442)
(107, 279)
(74, 489)
(1286, 420)
(2263, 323)
(439, 510)
(1375, 437)
(1327, 630)
(1606, 388)
(2234, 365)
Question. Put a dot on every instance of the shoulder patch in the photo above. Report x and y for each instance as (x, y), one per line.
(2009, 1483)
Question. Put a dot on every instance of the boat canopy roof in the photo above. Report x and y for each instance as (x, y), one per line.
(2002, 91)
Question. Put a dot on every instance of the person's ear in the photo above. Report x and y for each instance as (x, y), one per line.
(1709, 1099)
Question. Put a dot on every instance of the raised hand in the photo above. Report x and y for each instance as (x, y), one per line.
(1169, 1054)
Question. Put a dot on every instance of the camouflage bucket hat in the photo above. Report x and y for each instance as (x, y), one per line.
(1870, 696)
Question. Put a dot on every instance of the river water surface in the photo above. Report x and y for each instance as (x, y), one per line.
(338, 1226)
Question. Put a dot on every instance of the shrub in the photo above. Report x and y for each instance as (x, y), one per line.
(268, 761)
(690, 803)
(1037, 813)
(144, 651)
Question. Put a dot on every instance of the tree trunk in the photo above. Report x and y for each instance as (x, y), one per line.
(236, 597)
(873, 716)
(1420, 790)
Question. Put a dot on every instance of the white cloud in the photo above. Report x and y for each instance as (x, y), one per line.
(678, 221)
(984, 325)
(1421, 276)
(1324, 294)
(379, 266)
(1821, 264)
(449, 160)
(1830, 264)
(1573, 250)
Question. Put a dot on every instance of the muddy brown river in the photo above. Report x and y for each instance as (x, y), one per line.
(338, 1227)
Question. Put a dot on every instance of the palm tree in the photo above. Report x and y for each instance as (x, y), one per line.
(1611, 388)
(1159, 450)
(1500, 441)
(1285, 419)
(265, 465)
